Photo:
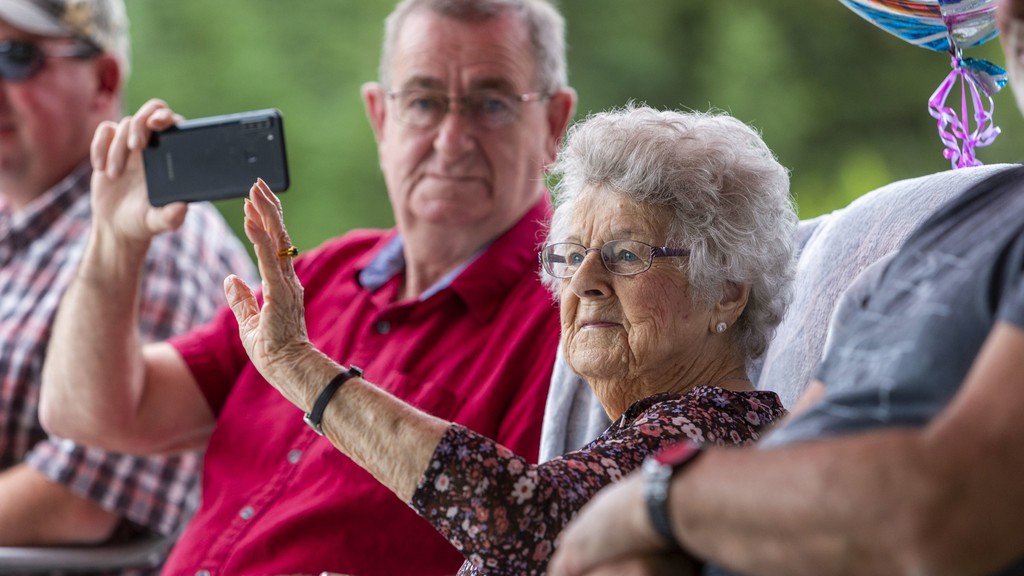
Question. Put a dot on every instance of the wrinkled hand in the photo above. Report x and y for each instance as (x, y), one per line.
(120, 200)
(612, 535)
(274, 336)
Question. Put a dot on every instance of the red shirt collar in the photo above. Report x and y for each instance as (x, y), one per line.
(484, 284)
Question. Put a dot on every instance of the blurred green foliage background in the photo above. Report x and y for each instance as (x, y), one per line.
(843, 104)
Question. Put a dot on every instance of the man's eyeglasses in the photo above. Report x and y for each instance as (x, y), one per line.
(23, 59)
(488, 109)
(622, 257)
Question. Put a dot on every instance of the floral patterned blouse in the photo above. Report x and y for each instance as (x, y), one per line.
(505, 515)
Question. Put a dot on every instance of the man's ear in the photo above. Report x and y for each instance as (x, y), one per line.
(560, 109)
(109, 80)
(375, 101)
(732, 303)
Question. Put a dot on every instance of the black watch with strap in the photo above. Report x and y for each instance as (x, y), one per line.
(658, 471)
(315, 416)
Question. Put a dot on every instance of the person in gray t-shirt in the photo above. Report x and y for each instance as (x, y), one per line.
(906, 456)
(907, 337)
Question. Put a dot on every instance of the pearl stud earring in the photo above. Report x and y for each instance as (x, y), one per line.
(720, 327)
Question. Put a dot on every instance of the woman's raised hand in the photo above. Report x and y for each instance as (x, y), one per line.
(273, 335)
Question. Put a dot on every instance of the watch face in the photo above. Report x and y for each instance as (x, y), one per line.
(678, 453)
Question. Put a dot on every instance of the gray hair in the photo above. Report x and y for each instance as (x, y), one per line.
(545, 24)
(728, 196)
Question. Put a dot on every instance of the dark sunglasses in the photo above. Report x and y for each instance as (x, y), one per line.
(23, 59)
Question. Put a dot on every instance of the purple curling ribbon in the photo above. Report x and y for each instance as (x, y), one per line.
(979, 80)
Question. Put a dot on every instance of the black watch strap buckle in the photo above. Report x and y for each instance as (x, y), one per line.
(315, 416)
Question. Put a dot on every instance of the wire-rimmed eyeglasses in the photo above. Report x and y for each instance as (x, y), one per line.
(622, 257)
(487, 109)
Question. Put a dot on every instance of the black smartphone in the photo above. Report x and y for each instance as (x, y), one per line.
(216, 157)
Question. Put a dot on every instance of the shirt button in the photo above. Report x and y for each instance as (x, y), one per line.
(203, 573)
(247, 513)
(383, 327)
(294, 455)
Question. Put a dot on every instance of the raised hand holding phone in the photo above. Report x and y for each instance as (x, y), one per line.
(119, 201)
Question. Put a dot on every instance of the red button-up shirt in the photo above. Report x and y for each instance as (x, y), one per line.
(277, 498)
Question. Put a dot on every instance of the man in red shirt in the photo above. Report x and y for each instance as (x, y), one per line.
(446, 310)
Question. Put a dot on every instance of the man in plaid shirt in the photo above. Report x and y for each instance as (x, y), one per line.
(63, 64)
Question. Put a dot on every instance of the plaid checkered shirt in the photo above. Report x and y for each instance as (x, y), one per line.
(40, 248)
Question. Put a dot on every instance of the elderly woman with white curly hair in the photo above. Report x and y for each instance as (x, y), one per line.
(670, 253)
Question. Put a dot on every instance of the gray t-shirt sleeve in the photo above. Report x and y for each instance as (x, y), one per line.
(1011, 306)
(850, 302)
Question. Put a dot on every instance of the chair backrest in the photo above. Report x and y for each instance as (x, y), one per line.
(834, 249)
